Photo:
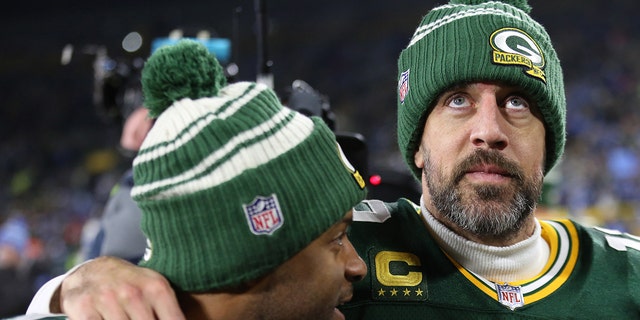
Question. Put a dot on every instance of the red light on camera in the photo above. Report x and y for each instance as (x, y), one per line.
(375, 180)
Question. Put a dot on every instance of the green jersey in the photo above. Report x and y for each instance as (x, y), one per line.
(592, 273)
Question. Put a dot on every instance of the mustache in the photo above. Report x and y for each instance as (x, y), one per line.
(488, 157)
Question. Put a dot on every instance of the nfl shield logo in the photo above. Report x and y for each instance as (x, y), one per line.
(263, 215)
(510, 296)
(403, 85)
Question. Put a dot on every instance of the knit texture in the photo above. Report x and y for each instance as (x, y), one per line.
(474, 40)
(233, 185)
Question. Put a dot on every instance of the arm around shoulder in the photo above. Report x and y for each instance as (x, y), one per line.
(46, 300)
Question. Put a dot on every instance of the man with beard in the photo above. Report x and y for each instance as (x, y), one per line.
(481, 120)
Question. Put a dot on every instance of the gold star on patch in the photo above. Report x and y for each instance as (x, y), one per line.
(406, 291)
(394, 292)
(419, 292)
(380, 292)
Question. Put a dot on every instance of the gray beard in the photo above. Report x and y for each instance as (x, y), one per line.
(484, 210)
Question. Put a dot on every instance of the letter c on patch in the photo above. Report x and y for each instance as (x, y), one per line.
(383, 262)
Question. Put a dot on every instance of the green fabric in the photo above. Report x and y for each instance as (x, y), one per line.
(460, 43)
(604, 284)
(190, 72)
(233, 185)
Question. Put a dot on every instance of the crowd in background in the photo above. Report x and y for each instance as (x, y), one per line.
(56, 180)
(599, 178)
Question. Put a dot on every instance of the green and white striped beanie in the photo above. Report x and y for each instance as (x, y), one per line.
(231, 183)
(478, 40)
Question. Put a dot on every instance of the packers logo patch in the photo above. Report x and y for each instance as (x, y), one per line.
(397, 276)
(264, 215)
(513, 46)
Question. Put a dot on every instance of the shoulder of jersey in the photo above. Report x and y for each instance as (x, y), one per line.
(378, 211)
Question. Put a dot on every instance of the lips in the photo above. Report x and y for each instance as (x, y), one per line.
(489, 169)
(338, 314)
(347, 296)
(342, 300)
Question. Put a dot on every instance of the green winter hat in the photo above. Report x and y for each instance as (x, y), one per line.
(231, 183)
(475, 40)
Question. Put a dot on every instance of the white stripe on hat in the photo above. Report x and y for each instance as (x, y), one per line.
(423, 31)
(173, 136)
(262, 151)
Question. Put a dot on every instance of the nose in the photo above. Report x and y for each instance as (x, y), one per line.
(489, 125)
(355, 268)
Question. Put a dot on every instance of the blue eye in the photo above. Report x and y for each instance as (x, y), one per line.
(516, 102)
(459, 102)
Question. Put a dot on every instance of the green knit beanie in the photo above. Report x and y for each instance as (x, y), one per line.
(475, 40)
(231, 183)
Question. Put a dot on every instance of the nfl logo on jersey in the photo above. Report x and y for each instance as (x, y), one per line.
(264, 215)
(510, 296)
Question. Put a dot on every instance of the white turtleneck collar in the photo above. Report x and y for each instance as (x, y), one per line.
(520, 261)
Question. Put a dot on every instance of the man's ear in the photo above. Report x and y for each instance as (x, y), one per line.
(135, 129)
(418, 158)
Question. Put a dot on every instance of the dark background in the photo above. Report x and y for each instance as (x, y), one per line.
(58, 150)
